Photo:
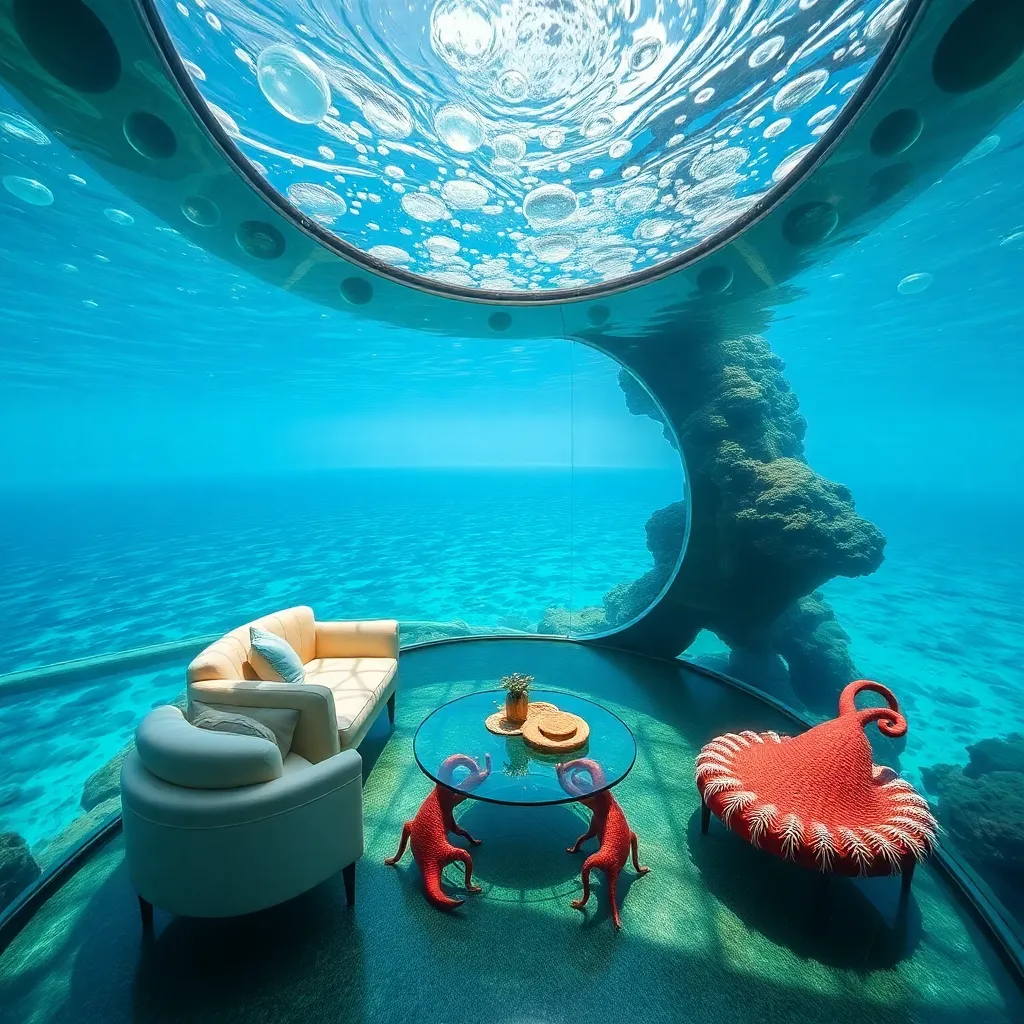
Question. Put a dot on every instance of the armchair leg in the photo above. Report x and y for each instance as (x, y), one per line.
(349, 874)
(146, 912)
(705, 818)
(391, 709)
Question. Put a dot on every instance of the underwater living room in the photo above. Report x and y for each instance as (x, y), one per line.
(510, 511)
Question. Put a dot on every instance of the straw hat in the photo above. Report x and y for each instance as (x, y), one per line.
(555, 732)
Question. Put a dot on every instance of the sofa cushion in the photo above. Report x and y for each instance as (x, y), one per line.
(280, 721)
(172, 749)
(203, 717)
(357, 685)
(229, 657)
(273, 657)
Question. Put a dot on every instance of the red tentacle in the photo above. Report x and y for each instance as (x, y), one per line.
(432, 887)
(476, 774)
(890, 720)
(572, 770)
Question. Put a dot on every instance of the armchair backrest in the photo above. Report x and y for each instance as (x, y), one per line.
(178, 752)
(230, 657)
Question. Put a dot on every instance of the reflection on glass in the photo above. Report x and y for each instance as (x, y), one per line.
(517, 758)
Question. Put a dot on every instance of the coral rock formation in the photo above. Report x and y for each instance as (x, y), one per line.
(766, 530)
(105, 782)
(981, 807)
(578, 621)
(816, 649)
(18, 869)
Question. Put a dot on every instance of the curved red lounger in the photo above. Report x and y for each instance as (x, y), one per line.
(818, 799)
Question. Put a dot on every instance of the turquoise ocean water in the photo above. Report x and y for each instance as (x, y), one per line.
(185, 448)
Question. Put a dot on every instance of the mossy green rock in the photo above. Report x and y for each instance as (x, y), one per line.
(766, 530)
(105, 782)
(575, 622)
(18, 869)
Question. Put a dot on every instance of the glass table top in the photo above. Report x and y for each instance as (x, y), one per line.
(453, 738)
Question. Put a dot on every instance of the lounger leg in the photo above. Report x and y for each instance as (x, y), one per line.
(146, 911)
(907, 877)
(391, 709)
(705, 817)
(349, 874)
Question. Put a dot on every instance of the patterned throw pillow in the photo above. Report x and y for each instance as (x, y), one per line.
(203, 717)
(280, 721)
(278, 654)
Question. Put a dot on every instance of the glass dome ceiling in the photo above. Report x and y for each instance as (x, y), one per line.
(526, 145)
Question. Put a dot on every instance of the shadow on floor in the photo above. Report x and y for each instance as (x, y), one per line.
(285, 963)
(717, 932)
(840, 922)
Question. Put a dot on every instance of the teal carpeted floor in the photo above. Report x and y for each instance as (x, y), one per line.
(716, 932)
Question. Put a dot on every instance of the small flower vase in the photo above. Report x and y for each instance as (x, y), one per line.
(517, 708)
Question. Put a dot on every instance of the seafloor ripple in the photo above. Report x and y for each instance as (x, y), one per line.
(113, 570)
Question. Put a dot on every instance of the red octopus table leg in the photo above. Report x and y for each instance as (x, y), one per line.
(617, 841)
(427, 833)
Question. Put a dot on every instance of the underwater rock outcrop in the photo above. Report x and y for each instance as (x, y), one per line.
(101, 798)
(816, 650)
(18, 869)
(766, 530)
(981, 807)
(105, 783)
(572, 622)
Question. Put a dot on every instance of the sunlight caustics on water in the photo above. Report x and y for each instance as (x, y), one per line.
(527, 144)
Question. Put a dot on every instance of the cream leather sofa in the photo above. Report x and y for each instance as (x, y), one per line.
(217, 824)
(350, 672)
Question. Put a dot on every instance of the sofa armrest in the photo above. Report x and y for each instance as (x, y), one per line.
(316, 732)
(376, 638)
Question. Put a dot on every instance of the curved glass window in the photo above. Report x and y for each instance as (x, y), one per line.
(191, 450)
(527, 145)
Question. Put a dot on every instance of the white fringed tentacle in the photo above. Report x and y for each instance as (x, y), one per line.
(710, 768)
(913, 841)
(720, 785)
(791, 834)
(856, 848)
(761, 821)
(888, 850)
(917, 811)
(924, 828)
(824, 846)
(899, 785)
(731, 741)
(719, 747)
(706, 756)
(736, 801)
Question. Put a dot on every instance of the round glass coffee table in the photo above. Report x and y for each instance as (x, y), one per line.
(466, 761)
(519, 774)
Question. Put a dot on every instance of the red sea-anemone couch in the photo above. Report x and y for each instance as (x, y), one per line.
(817, 799)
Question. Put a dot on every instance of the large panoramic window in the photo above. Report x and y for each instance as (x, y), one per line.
(905, 354)
(186, 450)
(526, 145)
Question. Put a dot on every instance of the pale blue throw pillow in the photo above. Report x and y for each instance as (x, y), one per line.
(278, 654)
